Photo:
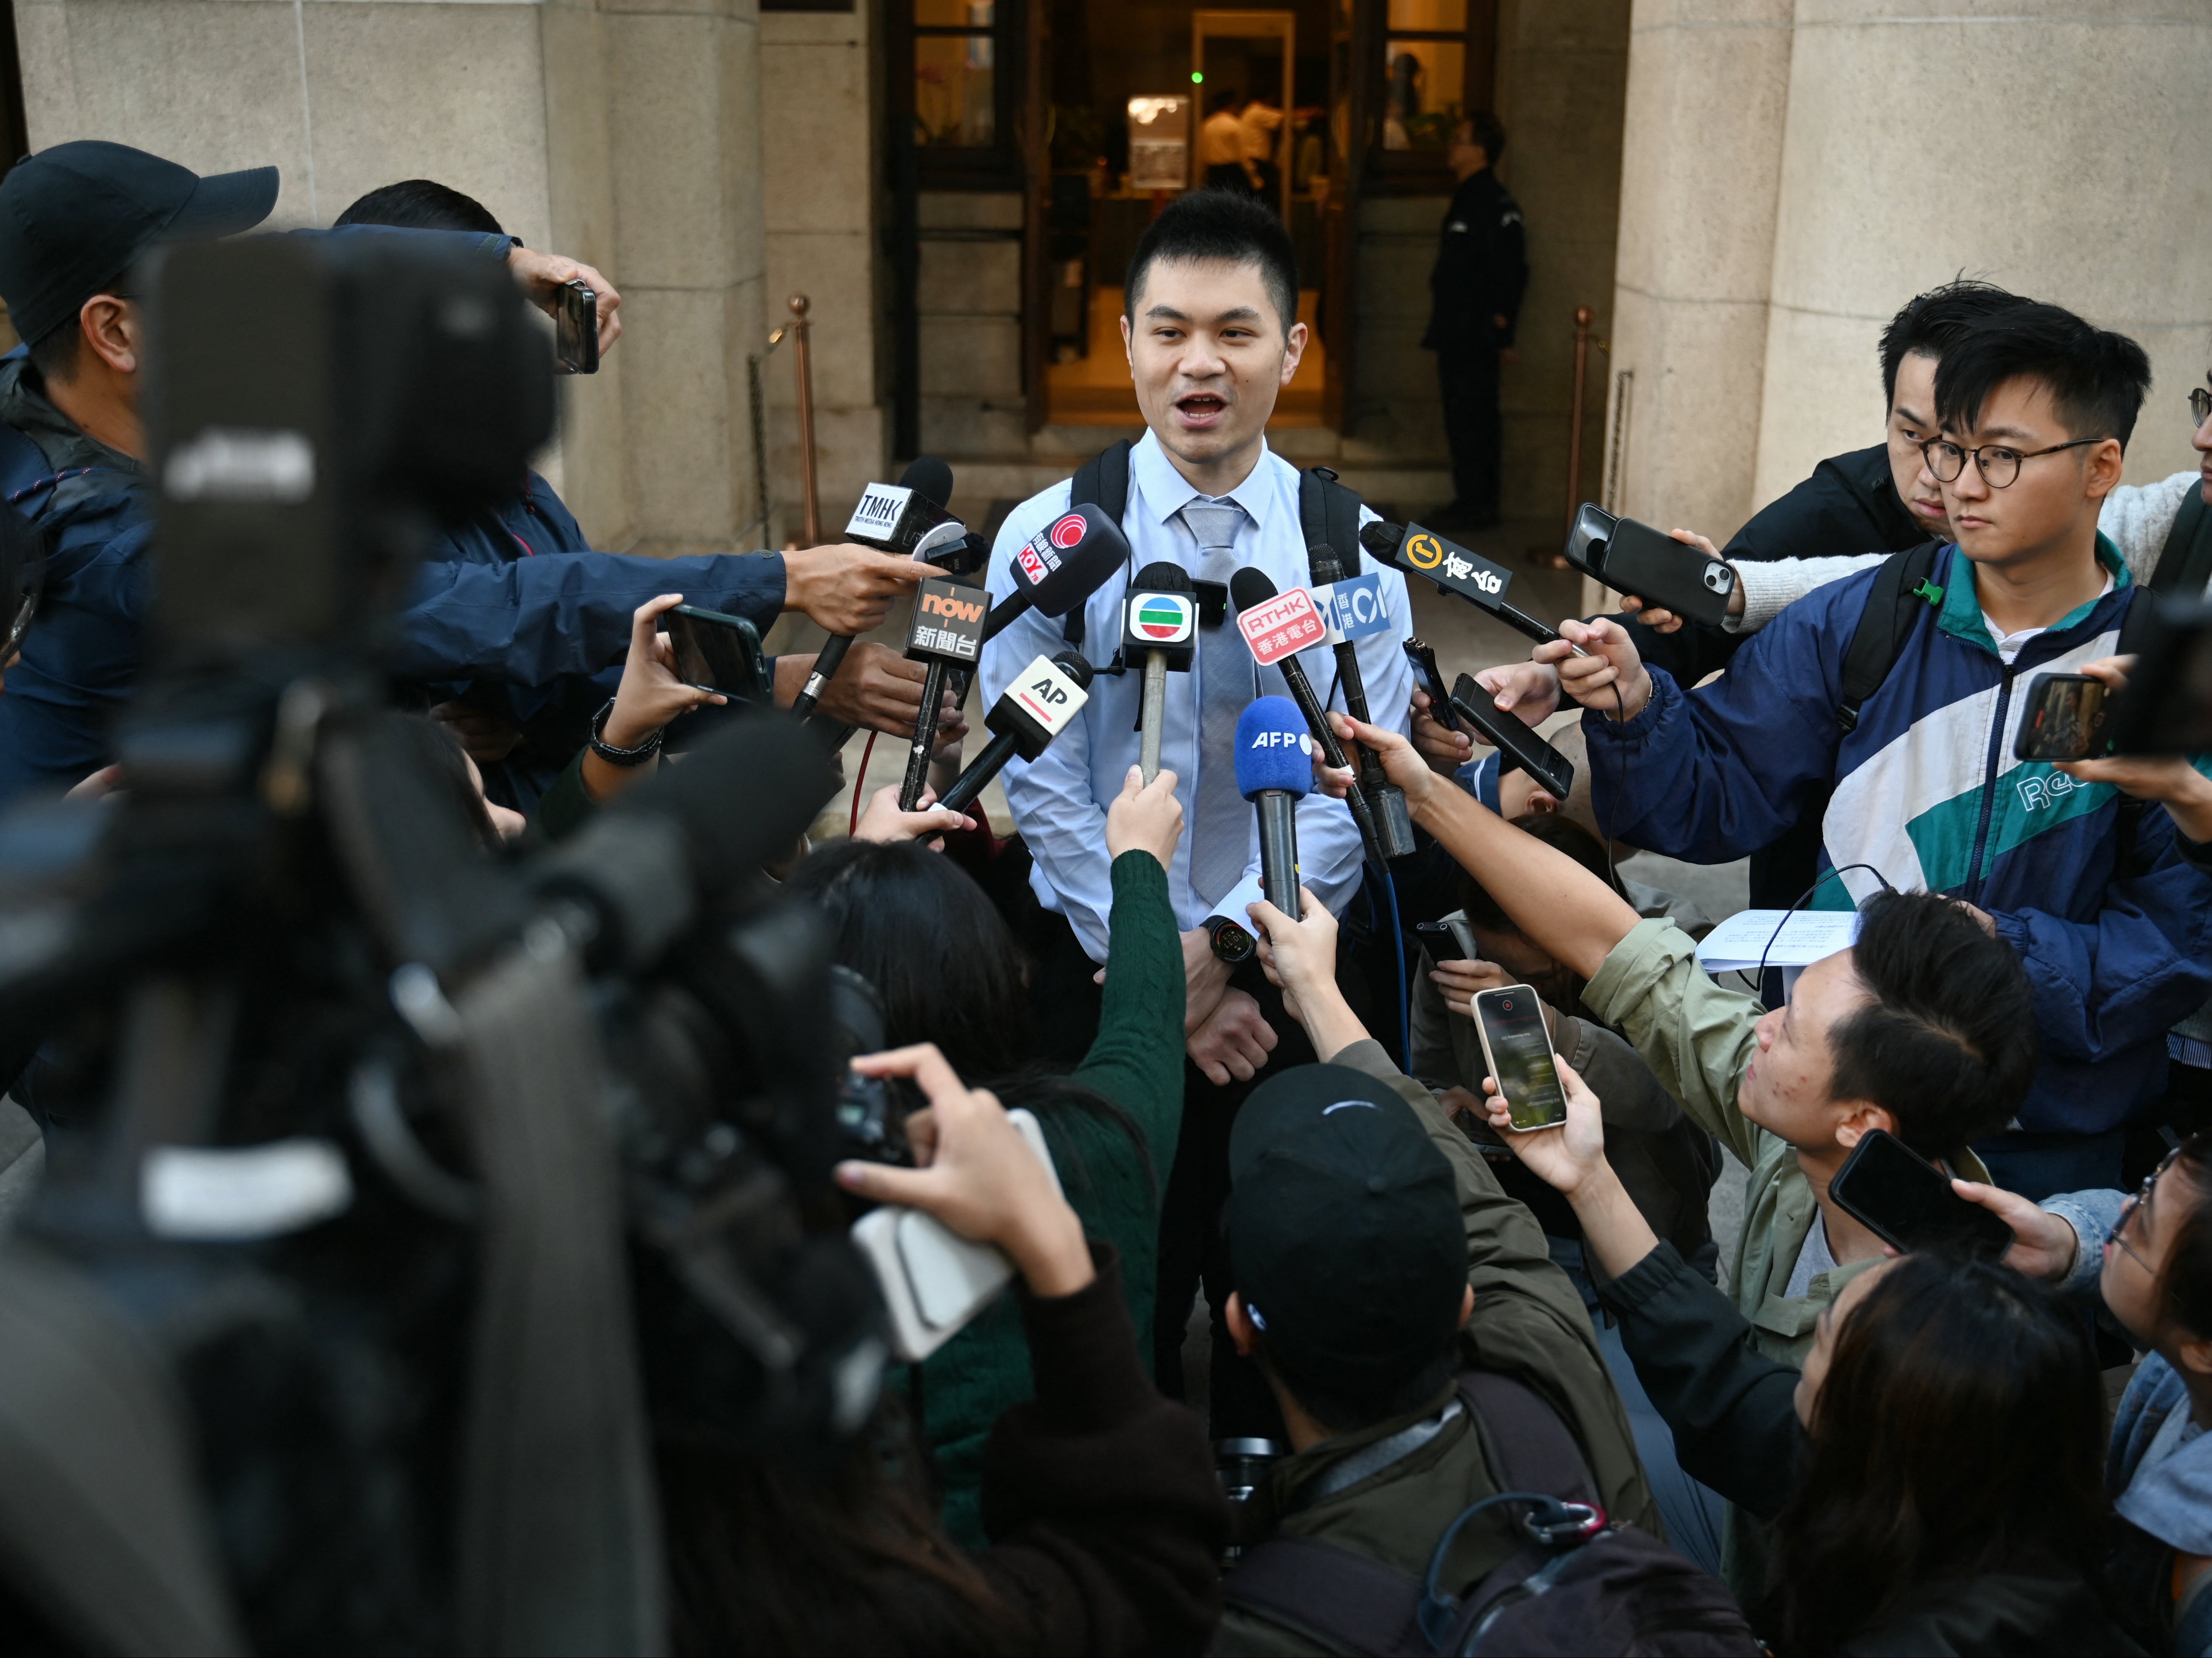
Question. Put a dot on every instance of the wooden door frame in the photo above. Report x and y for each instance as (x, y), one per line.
(1250, 25)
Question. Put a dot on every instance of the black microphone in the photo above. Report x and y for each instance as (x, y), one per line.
(1274, 773)
(1277, 628)
(1159, 623)
(1039, 701)
(1454, 570)
(907, 517)
(1354, 610)
(1060, 566)
(946, 632)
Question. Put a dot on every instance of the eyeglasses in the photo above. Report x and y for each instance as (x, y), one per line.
(1998, 465)
(2200, 407)
(2138, 1203)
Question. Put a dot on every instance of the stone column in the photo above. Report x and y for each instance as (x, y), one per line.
(2053, 146)
(1699, 167)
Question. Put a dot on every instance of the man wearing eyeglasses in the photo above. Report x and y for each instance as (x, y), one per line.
(2113, 923)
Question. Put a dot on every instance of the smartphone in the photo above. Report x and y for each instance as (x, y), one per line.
(1519, 744)
(1631, 557)
(934, 1280)
(716, 653)
(1431, 679)
(1518, 1051)
(1907, 1201)
(576, 329)
(1445, 940)
(2062, 719)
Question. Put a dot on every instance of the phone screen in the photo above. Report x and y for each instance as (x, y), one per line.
(576, 329)
(1519, 1050)
(1910, 1203)
(2065, 719)
(713, 652)
(1438, 939)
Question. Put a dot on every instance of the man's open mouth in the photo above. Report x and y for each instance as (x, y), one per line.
(1202, 405)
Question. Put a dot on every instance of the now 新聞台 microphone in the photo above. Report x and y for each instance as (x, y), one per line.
(1274, 771)
(1422, 552)
(1038, 702)
(907, 517)
(947, 634)
(1278, 625)
(1352, 609)
(1060, 566)
(1159, 623)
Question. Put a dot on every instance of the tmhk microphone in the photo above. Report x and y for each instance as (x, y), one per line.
(1041, 700)
(906, 517)
(1159, 626)
(1277, 627)
(1060, 566)
(1274, 771)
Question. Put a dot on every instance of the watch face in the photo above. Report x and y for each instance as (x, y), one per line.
(1232, 943)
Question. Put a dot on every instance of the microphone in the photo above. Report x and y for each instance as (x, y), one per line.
(1274, 770)
(1042, 698)
(1352, 609)
(1277, 628)
(906, 517)
(1060, 566)
(946, 632)
(1470, 576)
(1160, 619)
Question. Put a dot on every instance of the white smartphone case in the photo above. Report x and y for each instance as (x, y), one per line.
(933, 1280)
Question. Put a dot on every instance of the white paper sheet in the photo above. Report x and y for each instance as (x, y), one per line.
(1805, 937)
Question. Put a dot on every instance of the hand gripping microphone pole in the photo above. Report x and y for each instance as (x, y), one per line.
(1274, 772)
(1277, 627)
(947, 634)
(899, 519)
(1042, 698)
(1394, 822)
(1159, 626)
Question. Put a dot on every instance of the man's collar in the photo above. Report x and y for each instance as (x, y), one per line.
(1961, 614)
(1165, 492)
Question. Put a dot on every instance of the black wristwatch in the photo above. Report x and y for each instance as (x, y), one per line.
(615, 756)
(1233, 941)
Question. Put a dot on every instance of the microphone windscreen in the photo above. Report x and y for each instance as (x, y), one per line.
(1162, 575)
(1248, 588)
(930, 478)
(1382, 539)
(742, 797)
(1077, 666)
(1272, 749)
(1070, 559)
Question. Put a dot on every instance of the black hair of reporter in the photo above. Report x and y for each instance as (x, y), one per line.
(419, 204)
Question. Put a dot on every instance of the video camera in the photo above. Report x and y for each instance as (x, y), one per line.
(398, 1199)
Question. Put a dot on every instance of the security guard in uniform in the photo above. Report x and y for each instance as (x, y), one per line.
(1481, 272)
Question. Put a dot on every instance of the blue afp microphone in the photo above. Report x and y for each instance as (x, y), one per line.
(1274, 769)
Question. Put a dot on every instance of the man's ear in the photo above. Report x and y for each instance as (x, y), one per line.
(1856, 1118)
(1466, 1306)
(1240, 1325)
(2101, 475)
(1294, 348)
(111, 331)
(1128, 342)
(2195, 1356)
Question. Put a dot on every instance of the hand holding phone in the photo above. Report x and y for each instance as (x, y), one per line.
(576, 328)
(717, 653)
(1516, 1046)
(1631, 557)
(1907, 1201)
(1517, 743)
(2062, 718)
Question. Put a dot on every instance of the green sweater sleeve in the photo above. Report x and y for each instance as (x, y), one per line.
(1137, 1059)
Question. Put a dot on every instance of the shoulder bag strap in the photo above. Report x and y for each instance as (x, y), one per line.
(1892, 605)
(1341, 1600)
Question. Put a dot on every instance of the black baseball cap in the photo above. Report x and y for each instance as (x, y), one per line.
(74, 217)
(1346, 1239)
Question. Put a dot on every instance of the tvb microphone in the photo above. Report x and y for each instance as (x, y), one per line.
(1159, 628)
(906, 517)
(1274, 770)
(1352, 609)
(1060, 566)
(1277, 627)
(1042, 698)
(1454, 570)
(947, 634)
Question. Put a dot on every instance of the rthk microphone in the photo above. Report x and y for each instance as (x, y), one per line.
(1159, 628)
(947, 634)
(1274, 770)
(906, 517)
(1042, 698)
(1454, 570)
(1278, 625)
(1060, 566)
(1352, 608)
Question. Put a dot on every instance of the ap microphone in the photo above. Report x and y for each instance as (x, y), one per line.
(1274, 772)
(907, 517)
(1454, 570)
(1041, 700)
(1277, 627)
(1060, 566)
(1352, 610)
(1159, 626)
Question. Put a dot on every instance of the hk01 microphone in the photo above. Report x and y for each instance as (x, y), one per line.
(1159, 626)
(1274, 770)
(1060, 566)
(907, 517)
(1041, 700)
(1357, 609)
(1454, 570)
(1277, 626)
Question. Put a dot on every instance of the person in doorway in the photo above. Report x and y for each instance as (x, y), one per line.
(1481, 272)
(1221, 142)
(1262, 124)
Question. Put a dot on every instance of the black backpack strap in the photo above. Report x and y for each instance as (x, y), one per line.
(1340, 1600)
(1328, 516)
(1102, 482)
(1901, 587)
(1526, 1445)
(2184, 563)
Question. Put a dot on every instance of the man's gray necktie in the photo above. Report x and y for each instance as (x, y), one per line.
(1221, 823)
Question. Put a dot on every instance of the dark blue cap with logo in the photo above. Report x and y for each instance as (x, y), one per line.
(74, 218)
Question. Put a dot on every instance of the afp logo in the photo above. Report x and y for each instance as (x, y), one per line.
(1282, 740)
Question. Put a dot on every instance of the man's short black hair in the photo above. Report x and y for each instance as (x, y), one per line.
(1929, 322)
(2097, 379)
(1223, 98)
(1949, 1044)
(1229, 225)
(1486, 129)
(421, 204)
(54, 353)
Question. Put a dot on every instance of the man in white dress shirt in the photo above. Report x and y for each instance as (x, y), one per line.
(1210, 326)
